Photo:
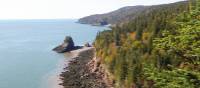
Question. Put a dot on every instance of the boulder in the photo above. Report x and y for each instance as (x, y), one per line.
(66, 46)
(87, 44)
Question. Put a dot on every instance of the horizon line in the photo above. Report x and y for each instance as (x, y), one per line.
(40, 19)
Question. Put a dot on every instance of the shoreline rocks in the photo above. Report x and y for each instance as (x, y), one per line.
(66, 46)
(82, 71)
(79, 73)
(87, 45)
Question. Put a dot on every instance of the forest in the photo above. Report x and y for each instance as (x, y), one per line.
(158, 49)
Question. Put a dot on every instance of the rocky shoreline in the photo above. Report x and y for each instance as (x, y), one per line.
(82, 71)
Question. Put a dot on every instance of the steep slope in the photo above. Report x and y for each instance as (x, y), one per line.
(158, 49)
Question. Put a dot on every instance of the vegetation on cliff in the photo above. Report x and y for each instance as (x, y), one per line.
(158, 49)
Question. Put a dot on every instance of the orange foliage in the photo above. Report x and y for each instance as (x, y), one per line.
(132, 35)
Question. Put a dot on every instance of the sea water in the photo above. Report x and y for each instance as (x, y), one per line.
(26, 54)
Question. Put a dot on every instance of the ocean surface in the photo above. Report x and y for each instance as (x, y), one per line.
(26, 55)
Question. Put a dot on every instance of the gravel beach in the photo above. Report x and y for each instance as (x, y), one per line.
(79, 74)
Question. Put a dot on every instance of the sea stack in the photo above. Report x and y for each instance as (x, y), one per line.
(66, 46)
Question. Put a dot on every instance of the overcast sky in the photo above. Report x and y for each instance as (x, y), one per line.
(55, 9)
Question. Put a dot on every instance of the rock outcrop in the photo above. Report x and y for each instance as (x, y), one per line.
(87, 45)
(66, 46)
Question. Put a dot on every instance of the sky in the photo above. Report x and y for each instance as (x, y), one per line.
(67, 9)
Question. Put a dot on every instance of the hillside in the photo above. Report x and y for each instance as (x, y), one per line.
(124, 14)
(113, 17)
(158, 49)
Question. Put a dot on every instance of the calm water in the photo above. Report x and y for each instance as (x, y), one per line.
(25, 49)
